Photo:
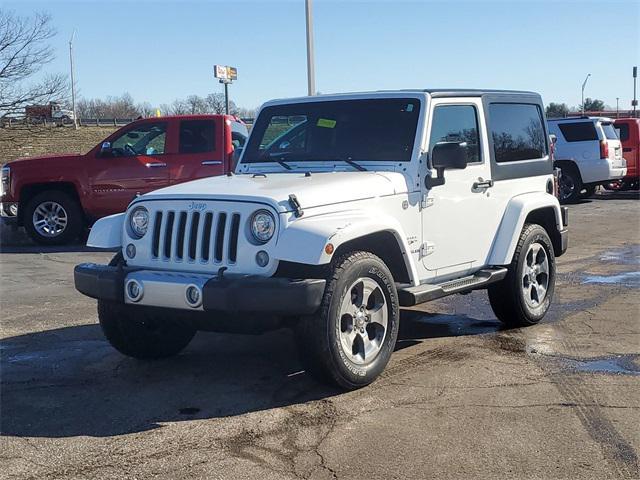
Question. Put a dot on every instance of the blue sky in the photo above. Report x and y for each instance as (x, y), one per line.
(162, 50)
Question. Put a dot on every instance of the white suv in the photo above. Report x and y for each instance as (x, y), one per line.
(589, 153)
(343, 209)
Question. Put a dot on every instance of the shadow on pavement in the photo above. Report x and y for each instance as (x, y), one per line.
(70, 381)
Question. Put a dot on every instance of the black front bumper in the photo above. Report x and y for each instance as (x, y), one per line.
(231, 294)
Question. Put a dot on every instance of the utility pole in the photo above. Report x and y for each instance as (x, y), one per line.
(226, 97)
(311, 75)
(634, 103)
(73, 83)
(617, 107)
(583, 85)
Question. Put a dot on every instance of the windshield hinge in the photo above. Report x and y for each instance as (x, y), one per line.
(426, 201)
(295, 204)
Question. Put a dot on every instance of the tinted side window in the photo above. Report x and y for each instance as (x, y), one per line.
(609, 132)
(578, 131)
(197, 136)
(623, 131)
(456, 123)
(517, 132)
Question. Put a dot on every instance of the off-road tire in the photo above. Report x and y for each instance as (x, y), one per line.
(570, 173)
(74, 218)
(507, 298)
(318, 335)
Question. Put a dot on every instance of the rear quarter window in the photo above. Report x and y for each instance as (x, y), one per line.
(517, 131)
(578, 131)
(609, 132)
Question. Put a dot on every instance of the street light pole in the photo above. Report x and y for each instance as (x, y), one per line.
(617, 107)
(583, 85)
(73, 83)
(311, 80)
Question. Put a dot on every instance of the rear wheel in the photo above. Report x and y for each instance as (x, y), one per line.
(351, 338)
(525, 294)
(53, 218)
(570, 184)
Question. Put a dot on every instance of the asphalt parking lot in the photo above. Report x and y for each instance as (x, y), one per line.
(461, 398)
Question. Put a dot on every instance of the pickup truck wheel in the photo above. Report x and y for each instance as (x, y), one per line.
(570, 185)
(525, 294)
(53, 218)
(351, 338)
(139, 333)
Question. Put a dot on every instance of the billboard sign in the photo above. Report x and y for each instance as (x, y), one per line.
(223, 72)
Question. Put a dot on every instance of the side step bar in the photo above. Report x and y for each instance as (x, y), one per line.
(410, 296)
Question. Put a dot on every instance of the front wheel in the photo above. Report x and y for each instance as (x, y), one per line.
(525, 294)
(53, 218)
(351, 338)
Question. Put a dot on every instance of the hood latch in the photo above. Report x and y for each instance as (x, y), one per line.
(295, 204)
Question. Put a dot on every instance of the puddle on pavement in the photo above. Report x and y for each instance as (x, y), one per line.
(616, 365)
(627, 255)
(628, 279)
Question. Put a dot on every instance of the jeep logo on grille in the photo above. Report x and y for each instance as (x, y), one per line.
(198, 206)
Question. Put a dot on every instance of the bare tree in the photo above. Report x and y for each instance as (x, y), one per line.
(24, 51)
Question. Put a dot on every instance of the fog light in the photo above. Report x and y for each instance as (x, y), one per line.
(134, 290)
(262, 258)
(131, 250)
(193, 296)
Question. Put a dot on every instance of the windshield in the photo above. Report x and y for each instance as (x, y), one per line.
(355, 130)
(609, 131)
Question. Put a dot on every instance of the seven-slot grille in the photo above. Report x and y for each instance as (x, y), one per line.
(208, 237)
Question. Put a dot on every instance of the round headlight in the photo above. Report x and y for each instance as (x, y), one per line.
(139, 222)
(263, 226)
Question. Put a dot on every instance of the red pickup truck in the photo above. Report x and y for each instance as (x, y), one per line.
(629, 133)
(56, 197)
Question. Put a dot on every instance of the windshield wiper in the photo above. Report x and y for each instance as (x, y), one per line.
(355, 165)
(283, 164)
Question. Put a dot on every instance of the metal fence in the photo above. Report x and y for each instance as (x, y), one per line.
(83, 122)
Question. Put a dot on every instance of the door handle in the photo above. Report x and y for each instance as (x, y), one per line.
(482, 184)
(155, 164)
(212, 162)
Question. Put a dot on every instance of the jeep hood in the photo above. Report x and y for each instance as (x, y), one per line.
(315, 190)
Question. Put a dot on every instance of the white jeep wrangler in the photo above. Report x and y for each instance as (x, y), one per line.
(343, 209)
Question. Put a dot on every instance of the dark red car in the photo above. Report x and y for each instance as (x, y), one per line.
(56, 197)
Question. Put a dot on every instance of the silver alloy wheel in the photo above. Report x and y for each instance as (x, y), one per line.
(363, 321)
(535, 275)
(50, 219)
(567, 186)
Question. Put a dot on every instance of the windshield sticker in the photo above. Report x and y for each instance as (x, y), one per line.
(326, 123)
(410, 107)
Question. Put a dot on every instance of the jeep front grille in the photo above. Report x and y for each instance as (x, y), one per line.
(207, 237)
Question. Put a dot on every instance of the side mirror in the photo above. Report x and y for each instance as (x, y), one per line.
(553, 138)
(446, 155)
(105, 149)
